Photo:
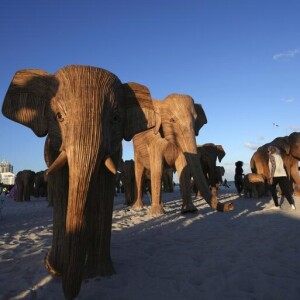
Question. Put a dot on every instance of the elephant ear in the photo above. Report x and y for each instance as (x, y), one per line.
(26, 99)
(220, 152)
(201, 118)
(140, 114)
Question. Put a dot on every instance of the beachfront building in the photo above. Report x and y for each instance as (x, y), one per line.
(5, 167)
(7, 176)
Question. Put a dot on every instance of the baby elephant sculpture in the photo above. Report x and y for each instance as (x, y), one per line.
(254, 185)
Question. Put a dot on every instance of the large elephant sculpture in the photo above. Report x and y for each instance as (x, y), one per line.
(290, 151)
(25, 185)
(172, 142)
(209, 153)
(82, 110)
(40, 184)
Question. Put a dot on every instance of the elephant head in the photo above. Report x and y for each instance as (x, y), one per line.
(81, 109)
(25, 185)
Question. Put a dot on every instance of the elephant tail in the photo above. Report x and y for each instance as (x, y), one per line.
(252, 165)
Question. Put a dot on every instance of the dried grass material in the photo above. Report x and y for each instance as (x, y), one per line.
(255, 178)
(139, 109)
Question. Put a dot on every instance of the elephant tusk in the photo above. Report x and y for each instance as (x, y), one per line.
(110, 165)
(58, 163)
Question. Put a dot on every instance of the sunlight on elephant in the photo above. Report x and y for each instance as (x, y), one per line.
(172, 143)
(82, 110)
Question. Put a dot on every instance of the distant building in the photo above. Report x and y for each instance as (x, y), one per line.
(7, 178)
(6, 173)
(5, 167)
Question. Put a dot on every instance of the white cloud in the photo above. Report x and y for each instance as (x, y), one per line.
(288, 100)
(293, 128)
(288, 54)
(251, 146)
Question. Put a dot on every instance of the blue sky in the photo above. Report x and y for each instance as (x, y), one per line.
(239, 58)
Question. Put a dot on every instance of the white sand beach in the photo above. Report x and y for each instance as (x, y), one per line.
(249, 253)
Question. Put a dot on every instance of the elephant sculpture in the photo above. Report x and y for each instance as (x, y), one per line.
(220, 172)
(290, 151)
(209, 153)
(40, 184)
(172, 143)
(25, 185)
(167, 179)
(254, 185)
(128, 180)
(82, 110)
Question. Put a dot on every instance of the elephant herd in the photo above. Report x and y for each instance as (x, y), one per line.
(255, 183)
(29, 183)
(85, 112)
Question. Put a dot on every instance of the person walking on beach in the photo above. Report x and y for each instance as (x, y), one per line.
(238, 177)
(278, 175)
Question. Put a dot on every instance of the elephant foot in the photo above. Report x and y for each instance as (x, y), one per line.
(103, 269)
(191, 208)
(128, 203)
(224, 206)
(50, 268)
(138, 205)
(157, 210)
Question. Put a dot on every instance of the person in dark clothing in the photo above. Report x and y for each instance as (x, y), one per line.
(238, 177)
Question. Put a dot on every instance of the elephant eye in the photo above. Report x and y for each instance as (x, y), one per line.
(172, 120)
(59, 117)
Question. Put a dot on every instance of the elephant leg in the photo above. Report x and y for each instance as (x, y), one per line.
(156, 166)
(20, 191)
(184, 180)
(58, 193)
(139, 171)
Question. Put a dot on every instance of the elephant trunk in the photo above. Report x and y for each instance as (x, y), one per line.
(84, 156)
(75, 243)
